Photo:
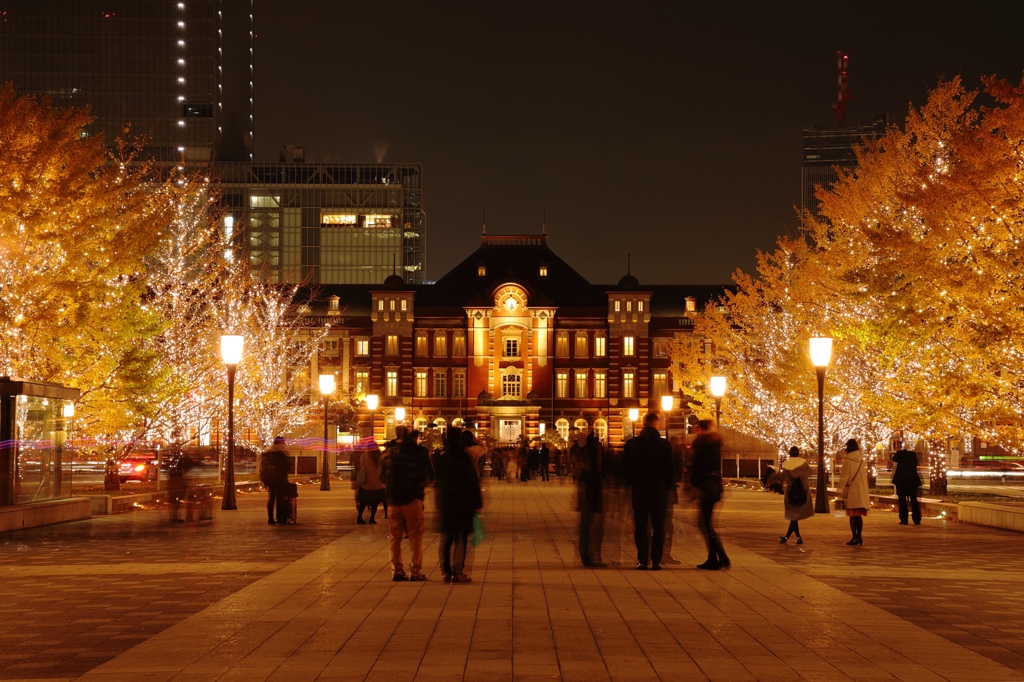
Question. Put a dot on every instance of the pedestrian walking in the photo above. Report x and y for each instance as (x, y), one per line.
(647, 465)
(370, 492)
(706, 480)
(545, 462)
(591, 505)
(794, 476)
(853, 486)
(461, 500)
(907, 480)
(405, 472)
(274, 475)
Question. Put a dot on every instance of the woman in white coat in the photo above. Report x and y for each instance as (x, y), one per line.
(794, 476)
(853, 489)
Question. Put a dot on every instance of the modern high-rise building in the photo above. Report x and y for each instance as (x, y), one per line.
(178, 72)
(826, 149)
(328, 223)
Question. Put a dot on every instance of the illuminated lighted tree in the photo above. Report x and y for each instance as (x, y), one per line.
(75, 228)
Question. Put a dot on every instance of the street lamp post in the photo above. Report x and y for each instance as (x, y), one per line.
(821, 353)
(371, 404)
(327, 387)
(666, 407)
(231, 353)
(634, 414)
(718, 390)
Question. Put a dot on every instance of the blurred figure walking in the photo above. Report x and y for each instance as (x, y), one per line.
(706, 479)
(591, 505)
(461, 500)
(370, 492)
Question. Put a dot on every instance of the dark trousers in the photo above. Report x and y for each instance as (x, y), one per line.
(360, 507)
(591, 534)
(453, 563)
(275, 494)
(716, 553)
(903, 492)
(544, 474)
(645, 513)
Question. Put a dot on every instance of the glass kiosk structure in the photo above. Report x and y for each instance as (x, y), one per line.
(33, 432)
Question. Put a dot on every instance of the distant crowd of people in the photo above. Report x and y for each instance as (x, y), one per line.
(653, 471)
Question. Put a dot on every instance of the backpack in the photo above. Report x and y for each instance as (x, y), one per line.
(797, 495)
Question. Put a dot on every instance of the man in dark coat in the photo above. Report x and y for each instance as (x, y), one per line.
(706, 479)
(591, 506)
(274, 475)
(907, 481)
(647, 465)
(405, 472)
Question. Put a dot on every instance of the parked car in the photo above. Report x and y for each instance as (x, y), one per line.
(137, 468)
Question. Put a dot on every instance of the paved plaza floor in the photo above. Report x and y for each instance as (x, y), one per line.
(134, 597)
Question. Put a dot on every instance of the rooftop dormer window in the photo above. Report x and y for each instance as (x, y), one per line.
(544, 270)
(481, 271)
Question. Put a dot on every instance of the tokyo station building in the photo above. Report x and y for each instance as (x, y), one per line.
(512, 342)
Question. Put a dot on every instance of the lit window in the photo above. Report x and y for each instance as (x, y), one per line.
(362, 380)
(511, 385)
(581, 384)
(581, 425)
(629, 306)
(640, 306)
(581, 344)
(691, 304)
(660, 386)
(405, 305)
(392, 345)
(459, 344)
(600, 385)
(561, 384)
(421, 384)
(334, 304)
(511, 348)
(440, 383)
(543, 271)
(345, 219)
(380, 304)
(481, 271)
(377, 221)
(421, 344)
(599, 346)
(628, 346)
(628, 385)
(618, 306)
(601, 430)
(440, 344)
(458, 383)
(562, 345)
(392, 303)
(391, 383)
(661, 348)
(562, 426)
(362, 347)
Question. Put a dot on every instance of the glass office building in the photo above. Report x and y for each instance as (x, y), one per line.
(328, 223)
(179, 73)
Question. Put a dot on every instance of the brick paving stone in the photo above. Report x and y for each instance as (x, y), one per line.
(134, 597)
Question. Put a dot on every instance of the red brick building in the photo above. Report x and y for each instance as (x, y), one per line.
(511, 341)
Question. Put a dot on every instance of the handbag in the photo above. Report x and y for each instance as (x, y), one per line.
(478, 530)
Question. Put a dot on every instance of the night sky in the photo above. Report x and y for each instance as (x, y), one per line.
(653, 128)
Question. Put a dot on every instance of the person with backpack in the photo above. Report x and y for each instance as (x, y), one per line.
(274, 475)
(794, 476)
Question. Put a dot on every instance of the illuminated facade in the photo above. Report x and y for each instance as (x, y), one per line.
(180, 73)
(328, 223)
(509, 340)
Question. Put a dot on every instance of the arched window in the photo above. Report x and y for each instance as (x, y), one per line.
(420, 425)
(601, 430)
(458, 423)
(581, 425)
(441, 425)
(562, 426)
